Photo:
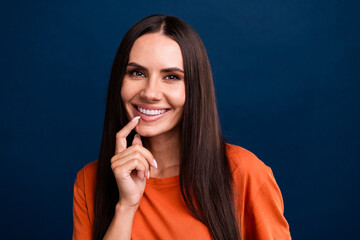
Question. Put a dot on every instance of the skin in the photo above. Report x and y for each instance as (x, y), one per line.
(154, 80)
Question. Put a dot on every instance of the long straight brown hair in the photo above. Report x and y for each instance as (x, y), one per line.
(205, 174)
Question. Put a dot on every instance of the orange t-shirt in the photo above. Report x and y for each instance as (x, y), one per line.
(162, 213)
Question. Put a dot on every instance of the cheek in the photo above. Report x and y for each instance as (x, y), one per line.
(176, 95)
(179, 97)
(126, 93)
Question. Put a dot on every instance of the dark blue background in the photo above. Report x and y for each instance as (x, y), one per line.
(287, 84)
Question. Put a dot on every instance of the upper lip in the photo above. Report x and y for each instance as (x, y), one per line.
(149, 107)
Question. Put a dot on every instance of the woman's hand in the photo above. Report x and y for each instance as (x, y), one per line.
(131, 166)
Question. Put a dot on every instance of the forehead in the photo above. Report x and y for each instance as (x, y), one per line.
(156, 50)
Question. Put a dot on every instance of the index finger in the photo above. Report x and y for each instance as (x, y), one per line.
(121, 135)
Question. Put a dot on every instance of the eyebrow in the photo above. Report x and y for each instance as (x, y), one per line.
(166, 70)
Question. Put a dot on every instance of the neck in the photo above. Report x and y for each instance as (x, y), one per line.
(166, 151)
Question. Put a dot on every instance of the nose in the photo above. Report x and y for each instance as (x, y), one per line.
(151, 91)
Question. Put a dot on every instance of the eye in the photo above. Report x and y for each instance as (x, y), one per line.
(136, 73)
(172, 77)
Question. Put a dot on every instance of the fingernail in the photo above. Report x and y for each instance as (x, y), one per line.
(135, 118)
(155, 163)
(148, 174)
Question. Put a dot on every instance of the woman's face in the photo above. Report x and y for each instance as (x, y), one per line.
(154, 86)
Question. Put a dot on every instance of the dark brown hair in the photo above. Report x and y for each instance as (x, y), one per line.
(205, 174)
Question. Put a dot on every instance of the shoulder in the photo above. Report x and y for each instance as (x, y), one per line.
(257, 196)
(83, 201)
(243, 160)
(247, 169)
(86, 177)
(91, 168)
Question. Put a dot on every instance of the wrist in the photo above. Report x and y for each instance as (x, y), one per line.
(125, 209)
(121, 224)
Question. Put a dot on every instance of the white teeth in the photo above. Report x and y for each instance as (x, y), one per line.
(150, 112)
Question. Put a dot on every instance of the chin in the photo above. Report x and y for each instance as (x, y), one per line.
(146, 131)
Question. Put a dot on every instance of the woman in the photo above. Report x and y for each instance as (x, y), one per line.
(164, 171)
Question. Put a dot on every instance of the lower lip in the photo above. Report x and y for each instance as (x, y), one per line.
(149, 118)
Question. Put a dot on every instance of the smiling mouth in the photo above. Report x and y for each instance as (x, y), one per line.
(150, 112)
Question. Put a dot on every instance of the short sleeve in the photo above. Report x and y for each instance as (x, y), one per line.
(264, 215)
(82, 227)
